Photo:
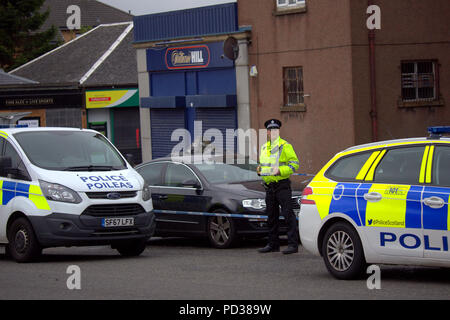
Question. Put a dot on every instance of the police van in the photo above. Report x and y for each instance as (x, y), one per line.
(69, 187)
(381, 203)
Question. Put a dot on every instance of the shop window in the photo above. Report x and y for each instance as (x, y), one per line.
(293, 88)
(419, 83)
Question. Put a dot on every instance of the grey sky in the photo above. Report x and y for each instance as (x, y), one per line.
(141, 7)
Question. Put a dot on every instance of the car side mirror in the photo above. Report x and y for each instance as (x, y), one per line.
(191, 183)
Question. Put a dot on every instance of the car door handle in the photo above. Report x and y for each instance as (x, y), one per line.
(373, 196)
(163, 197)
(434, 202)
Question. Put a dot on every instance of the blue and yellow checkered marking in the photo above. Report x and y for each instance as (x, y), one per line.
(436, 219)
(10, 190)
(405, 204)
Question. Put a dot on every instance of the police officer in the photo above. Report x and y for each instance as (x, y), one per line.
(277, 162)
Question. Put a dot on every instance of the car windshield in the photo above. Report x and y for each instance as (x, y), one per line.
(228, 173)
(70, 150)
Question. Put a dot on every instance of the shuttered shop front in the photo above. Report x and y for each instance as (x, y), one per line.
(163, 123)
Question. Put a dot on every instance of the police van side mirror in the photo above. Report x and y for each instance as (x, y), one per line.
(130, 159)
(5, 166)
(6, 170)
(5, 163)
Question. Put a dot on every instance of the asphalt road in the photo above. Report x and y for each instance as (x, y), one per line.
(189, 269)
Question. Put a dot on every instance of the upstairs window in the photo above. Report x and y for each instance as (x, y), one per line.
(289, 6)
(419, 81)
(285, 4)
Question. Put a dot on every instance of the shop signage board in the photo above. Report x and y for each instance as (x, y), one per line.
(187, 57)
(112, 98)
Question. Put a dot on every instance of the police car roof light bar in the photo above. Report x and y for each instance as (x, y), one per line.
(437, 132)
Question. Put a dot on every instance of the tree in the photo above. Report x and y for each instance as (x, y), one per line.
(20, 37)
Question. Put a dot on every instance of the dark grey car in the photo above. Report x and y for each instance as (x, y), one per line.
(224, 202)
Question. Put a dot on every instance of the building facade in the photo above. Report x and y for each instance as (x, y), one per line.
(335, 83)
(186, 81)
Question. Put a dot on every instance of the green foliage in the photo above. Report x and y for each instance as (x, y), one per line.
(20, 38)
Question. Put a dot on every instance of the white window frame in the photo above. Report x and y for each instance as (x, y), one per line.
(287, 4)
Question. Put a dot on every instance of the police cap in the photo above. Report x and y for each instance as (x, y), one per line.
(272, 124)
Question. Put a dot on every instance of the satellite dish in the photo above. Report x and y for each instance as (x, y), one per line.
(231, 48)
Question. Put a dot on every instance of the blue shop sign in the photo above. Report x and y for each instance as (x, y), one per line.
(187, 57)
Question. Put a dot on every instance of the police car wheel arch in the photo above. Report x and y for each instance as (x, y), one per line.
(332, 219)
(343, 252)
(23, 245)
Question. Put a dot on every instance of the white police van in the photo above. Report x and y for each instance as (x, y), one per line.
(69, 187)
(385, 203)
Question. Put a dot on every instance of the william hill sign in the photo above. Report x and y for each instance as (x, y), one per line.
(187, 57)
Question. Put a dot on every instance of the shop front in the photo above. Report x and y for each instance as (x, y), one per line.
(48, 107)
(192, 87)
(115, 113)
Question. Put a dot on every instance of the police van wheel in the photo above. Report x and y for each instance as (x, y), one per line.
(342, 252)
(132, 248)
(221, 231)
(23, 245)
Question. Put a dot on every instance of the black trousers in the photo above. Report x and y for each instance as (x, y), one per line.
(280, 195)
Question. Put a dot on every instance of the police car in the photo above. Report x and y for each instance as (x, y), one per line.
(381, 203)
(69, 187)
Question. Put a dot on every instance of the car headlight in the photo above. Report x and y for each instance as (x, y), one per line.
(146, 193)
(254, 203)
(57, 192)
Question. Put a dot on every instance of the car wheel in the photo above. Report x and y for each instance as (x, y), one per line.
(342, 252)
(221, 231)
(23, 245)
(131, 248)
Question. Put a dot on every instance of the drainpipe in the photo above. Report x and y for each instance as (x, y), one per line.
(373, 86)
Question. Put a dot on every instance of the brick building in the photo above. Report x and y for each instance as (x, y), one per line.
(335, 83)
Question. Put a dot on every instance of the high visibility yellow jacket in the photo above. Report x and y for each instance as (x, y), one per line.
(277, 154)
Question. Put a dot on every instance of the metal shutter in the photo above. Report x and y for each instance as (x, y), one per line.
(163, 123)
(219, 118)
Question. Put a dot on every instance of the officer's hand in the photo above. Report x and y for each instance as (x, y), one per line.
(258, 170)
(276, 171)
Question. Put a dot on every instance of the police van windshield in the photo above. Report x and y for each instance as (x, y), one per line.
(70, 151)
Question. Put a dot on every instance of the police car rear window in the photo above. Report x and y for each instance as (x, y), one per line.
(441, 166)
(347, 168)
(400, 165)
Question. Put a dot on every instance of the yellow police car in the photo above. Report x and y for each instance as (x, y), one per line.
(381, 203)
